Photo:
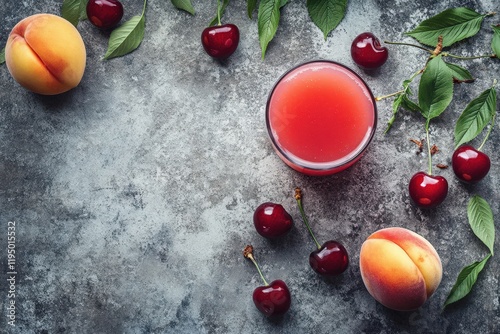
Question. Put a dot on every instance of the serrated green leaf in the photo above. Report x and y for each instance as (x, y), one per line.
(326, 14)
(475, 116)
(2, 56)
(465, 281)
(267, 21)
(435, 90)
(251, 5)
(495, 41)
(126, 38)
(459, 73)
(184, 5)
(221, 8)
(481, 221)
(454, 24)
(74, 11)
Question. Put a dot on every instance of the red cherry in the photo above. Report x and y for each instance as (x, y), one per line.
(104, 14)
(329, 260)
(469, 164)
(273, 299)
(271, 220)
(428, 191)
(367, 52)
(220, 41)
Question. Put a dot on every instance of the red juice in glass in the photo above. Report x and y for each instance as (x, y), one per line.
(321, 117)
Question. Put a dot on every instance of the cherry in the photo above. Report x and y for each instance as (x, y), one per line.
(331, 258)
(367, 52)
(271, 299)
(220, 41)
(469, 164)
(428, 191)
(271, 220)
(104, 14)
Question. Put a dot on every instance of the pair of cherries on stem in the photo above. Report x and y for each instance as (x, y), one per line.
(272, 220)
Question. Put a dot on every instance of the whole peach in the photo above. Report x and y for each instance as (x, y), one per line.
(45, 54)
(399, 268)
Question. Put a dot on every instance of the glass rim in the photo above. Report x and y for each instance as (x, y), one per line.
(329, 165)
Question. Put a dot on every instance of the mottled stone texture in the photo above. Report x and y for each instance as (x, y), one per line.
(133, 194)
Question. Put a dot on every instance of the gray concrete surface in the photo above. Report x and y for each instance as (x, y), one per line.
(133, 194)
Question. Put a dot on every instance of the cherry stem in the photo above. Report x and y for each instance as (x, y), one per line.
(446, 54)
(428, 147)
(298, 198)
(248, 254)
(379, 98)
(410, 44)
(218, 12)
(488, 133)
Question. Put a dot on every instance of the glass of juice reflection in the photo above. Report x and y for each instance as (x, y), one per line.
(321, 117)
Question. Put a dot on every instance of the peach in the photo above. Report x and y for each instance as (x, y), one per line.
(399, 268)
(45, 54)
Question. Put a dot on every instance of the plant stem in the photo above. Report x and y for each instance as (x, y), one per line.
(446, 54)
(409, 44)
(218, 12)
(248, 253)
(298, 198)
(428, 149)
(379, 98)
(488, 133)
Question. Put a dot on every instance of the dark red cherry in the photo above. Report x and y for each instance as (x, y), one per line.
(469, 164)
(367, 52)
(273, 299)
(428, 191)
(220, 41)
(271, 220)
(104, 14)
(330, 260)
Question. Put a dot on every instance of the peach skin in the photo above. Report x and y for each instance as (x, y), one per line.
(45, 54)
(399, 268)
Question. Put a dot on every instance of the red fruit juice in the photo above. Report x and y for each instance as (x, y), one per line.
(321, 117)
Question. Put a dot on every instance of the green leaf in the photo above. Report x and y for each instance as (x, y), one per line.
(435, 90)
(267, 21)
(74, 11)
(481, 221)
(184, 5)
(283, 2)
(475, 116)
(127, 37)
(459, 73)
(409, 104)
(454, 24)
(2, 56)
(465, 281)
(495, 41)
(221, 8)
(251, 5)
(326, 14)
